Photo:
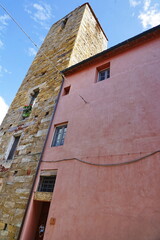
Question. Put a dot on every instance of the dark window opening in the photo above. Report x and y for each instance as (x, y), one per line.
(15, 172)
(46, 113)
(63, 23)
(46, 183)
(59, 135)
(33, 97)
(66, 90)
(102, 75)
(13, 148)
(28, 108)
(5, 227)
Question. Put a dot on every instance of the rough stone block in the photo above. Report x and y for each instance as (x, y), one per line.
(2, 224)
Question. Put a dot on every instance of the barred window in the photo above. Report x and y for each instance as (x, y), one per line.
(46, 183)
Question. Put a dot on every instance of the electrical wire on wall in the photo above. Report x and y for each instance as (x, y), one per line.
(106, 164)
(33, 42)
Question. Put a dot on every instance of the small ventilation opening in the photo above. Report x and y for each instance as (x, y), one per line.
(46, 183)
(42, 73)
(15, 172)
(5, 227)
(66, 90)
(46, 113)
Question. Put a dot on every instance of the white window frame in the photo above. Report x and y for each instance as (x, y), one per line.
(62, 135)
(106, 74)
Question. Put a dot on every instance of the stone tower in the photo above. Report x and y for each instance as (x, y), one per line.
(22, 134)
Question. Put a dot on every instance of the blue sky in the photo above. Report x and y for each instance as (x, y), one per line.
(119, 19)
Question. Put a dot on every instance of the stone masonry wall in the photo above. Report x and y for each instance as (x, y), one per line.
(63, 46)
(89, 27)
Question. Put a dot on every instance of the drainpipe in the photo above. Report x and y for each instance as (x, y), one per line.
(39, 163)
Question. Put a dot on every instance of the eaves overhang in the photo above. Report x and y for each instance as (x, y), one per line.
(135, 41)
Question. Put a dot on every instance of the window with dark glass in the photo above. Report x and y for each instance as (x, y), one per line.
(13, 148)
(59, 135)
(46, 183)
(104, 74)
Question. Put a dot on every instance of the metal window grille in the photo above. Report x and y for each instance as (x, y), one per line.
(102, 75)
(59, 135)
(13, 148)
(46, 183)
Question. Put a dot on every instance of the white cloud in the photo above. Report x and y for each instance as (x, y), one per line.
(6, 71)
(41, 38)
(3, 25)
(32, 51)
(4, 19)
(3, 109)
(1, 44)
(148, 12)
(147, 4)
(40, 12)
(3, 70)
(134, 3)
(150, 18)
(150, 15)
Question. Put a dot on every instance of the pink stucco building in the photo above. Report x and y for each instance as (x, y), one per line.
(102, 150)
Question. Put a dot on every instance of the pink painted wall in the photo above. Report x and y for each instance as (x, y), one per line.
(120, 122)
(122, 114)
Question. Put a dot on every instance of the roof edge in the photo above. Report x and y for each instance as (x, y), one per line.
(127, 44)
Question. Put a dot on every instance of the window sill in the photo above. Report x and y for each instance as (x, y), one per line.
(43, 196)
(105, 80)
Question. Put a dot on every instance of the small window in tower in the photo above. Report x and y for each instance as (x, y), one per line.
(13, 148)
(33, 97)
(66, 90)
(46, 183)
(59, 135)
(28, 108)
(63, 23)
